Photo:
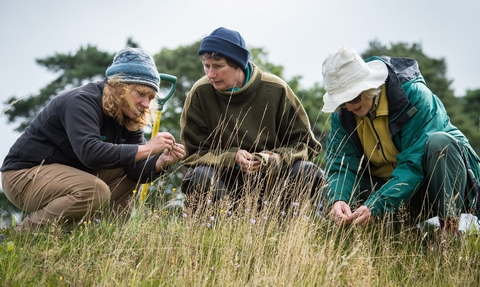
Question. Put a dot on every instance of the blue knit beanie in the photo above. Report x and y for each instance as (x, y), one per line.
(227, 43)
(134, 66)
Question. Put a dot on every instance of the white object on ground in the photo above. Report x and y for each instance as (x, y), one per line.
(467, 223)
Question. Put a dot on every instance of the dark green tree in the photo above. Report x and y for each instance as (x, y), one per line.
(312, 102)
(470, 103)
(89, 63)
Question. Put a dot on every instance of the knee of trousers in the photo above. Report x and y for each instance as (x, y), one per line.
(199, 176)
(306, 169)
(439, 142)
(100, 195)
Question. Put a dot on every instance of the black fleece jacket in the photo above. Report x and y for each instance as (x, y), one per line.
(73, 130)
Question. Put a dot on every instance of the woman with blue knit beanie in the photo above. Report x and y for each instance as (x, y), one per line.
(245, 131)
(86, 149)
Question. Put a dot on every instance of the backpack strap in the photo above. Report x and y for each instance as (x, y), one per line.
(472, 186)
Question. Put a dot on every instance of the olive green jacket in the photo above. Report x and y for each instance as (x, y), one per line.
(264, 114)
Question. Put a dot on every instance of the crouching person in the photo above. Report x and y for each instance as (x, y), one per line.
(86, 149)
(392, 144)
(245, 131)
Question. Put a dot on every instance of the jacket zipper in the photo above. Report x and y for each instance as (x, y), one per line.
(379, 143)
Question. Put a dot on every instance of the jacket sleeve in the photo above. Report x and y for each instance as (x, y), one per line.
(296, 137)
(144, 170)
(407, 177)
(343, 164)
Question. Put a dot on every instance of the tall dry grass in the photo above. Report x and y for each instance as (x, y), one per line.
(246, 247)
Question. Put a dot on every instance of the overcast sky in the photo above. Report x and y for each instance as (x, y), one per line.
(297, 34)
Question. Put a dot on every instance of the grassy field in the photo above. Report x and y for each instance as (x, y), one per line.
(217, 247)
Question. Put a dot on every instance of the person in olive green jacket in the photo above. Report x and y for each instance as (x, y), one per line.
(392, 143)
(244, 127)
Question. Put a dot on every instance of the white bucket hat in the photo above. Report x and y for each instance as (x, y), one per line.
(346, 75)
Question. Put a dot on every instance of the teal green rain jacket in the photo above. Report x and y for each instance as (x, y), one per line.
(414, 114)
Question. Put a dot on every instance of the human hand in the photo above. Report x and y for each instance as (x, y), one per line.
(341, 213)
(362, 216)
(273, 158)
(247, 163)
(170, 156)
(160, 142)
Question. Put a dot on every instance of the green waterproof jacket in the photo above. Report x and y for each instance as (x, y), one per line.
(414, 114)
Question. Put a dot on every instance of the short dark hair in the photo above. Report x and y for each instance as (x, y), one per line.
(218, 57)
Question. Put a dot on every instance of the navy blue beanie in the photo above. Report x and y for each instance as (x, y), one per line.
(226, 43)
(134, 66)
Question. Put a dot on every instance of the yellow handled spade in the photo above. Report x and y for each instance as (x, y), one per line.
(161, 101)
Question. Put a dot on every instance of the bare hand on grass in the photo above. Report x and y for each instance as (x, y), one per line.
(342, 214)
(362, 216)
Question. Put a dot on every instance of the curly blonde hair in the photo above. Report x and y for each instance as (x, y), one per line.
(116, 95)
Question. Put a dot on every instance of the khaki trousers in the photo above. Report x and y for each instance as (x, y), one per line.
(57, 191)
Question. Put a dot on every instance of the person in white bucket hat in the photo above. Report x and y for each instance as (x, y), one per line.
(392, 144)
